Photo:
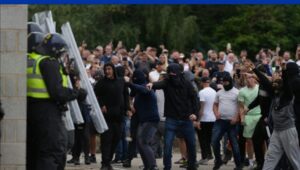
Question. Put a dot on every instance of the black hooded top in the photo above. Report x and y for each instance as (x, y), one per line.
(180, 97)
(113, 94)
(292, 72)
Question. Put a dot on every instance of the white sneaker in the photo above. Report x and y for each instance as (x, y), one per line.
(251, 164)
(203, 162)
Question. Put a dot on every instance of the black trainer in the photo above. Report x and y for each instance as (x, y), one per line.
(104, 167)
(217, 165)
(116, 161)
(238, 168)
(76, 161)
(127, 163)
(93, 159)
(87, 160)
(209, 157)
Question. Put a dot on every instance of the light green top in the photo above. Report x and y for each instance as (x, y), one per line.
(247, 96)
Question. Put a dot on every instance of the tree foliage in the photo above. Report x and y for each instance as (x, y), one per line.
(182, 27)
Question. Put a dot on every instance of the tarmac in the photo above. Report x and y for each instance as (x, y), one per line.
(137, 164)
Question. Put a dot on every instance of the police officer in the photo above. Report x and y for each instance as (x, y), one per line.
(47, 95)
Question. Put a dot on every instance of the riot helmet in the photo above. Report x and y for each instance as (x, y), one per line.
(53, 45)
(34, 40)
(33, 27)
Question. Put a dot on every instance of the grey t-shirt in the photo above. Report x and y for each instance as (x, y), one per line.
(284, 118)
(228, 103)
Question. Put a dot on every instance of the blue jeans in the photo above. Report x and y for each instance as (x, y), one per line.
(220, 128)
(185, 127)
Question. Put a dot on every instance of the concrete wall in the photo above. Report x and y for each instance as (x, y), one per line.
(13, 47)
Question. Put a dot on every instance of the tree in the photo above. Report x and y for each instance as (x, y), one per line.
(182, 27)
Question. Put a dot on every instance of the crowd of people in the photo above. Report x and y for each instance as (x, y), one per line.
(224, 97)
(149, 97)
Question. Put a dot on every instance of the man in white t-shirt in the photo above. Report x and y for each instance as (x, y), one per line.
(207, 118)
(226, 112)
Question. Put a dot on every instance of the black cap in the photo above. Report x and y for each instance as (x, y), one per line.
(205, 80)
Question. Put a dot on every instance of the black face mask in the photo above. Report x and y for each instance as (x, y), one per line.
(228, 87)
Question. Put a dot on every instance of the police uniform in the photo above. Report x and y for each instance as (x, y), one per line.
(46, 94)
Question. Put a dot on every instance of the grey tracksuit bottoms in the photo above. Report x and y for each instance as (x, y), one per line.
(287, 142)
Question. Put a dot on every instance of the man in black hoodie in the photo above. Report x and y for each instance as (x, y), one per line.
(284, 136)
(292, 72)
(112, 96)
(181, 108)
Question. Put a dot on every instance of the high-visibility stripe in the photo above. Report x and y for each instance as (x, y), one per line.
(30, 62)
(34, 76)
(37, 90)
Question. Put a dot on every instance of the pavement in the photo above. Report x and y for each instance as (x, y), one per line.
(137, 164)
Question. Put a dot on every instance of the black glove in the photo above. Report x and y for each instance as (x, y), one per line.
(82, 93)
(62, 107)
(74, 93)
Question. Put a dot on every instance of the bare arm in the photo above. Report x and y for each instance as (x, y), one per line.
(151, 59)
(201, 109)
(216, 110)
(241, 111)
